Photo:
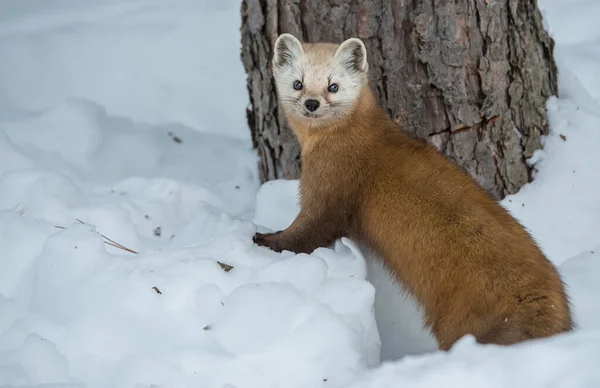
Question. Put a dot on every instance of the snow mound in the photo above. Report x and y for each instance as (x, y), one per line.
(191, 285)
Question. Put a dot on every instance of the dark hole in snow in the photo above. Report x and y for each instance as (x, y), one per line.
(157, 231)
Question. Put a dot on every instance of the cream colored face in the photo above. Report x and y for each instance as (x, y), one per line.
(319, 81)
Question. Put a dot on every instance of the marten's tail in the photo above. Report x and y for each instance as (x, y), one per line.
(545, 320)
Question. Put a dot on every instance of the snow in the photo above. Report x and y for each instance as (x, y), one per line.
(127, 119)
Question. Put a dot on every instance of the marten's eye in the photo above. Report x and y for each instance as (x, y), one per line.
(298, 85)
(333, 88)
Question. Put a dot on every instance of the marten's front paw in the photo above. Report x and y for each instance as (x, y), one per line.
(268, 240)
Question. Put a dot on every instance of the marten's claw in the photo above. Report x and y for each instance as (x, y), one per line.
(268, 240)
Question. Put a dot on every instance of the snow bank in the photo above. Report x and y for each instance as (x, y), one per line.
(569, 361)
(193, 299)
(129, 116)
(152, 61)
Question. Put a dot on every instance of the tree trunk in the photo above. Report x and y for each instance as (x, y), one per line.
(470, 77)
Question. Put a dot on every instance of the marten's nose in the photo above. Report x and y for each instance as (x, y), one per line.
(311, 105)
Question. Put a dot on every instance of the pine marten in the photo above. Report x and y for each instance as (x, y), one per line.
(470, 265)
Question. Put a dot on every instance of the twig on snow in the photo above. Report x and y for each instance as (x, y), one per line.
(108, 241)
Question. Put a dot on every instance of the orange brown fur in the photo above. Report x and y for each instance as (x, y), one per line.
(472, 267)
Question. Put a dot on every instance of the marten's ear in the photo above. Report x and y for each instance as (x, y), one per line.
(287, 50)
(352, 54)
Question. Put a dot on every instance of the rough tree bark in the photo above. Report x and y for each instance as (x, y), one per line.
(469, 76)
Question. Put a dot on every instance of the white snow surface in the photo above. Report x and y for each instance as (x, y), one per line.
(127, 119)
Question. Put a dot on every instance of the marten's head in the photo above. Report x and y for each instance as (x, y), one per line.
(319, 81)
